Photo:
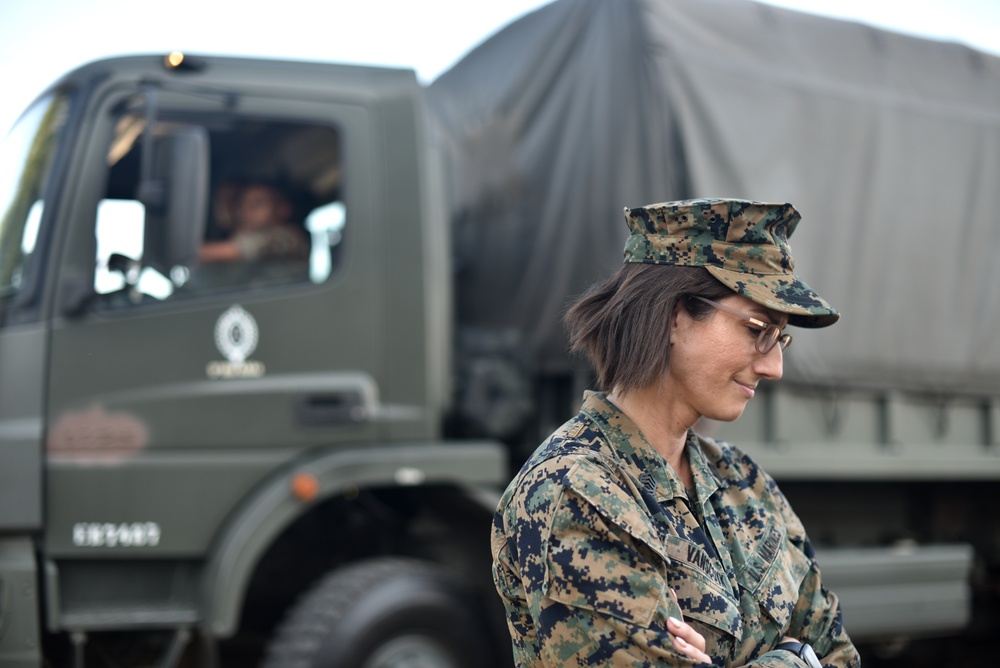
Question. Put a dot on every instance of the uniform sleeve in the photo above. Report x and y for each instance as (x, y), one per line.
(817, 618)
(271, 243)
(251, 244)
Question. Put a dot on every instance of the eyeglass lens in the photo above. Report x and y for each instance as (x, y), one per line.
(769, 336)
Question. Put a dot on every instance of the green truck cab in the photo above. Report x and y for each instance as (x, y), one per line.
(186, 447)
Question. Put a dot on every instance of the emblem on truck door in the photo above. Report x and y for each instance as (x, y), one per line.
(236, 339)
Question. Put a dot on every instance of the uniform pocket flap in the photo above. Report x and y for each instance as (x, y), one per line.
(601, 553)
(595, 484)
(774, 573)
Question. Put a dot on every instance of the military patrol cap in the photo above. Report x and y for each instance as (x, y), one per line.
(742, 243)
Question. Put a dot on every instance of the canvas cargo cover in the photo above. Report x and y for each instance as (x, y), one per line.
(888, 145)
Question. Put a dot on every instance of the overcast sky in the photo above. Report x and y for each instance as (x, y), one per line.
(42, 39)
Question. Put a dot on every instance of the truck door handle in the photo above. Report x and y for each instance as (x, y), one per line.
(330, 409)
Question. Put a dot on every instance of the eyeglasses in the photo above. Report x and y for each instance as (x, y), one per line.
(769, 334)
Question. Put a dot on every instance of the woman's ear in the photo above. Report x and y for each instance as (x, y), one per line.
(679, 313)
(681, 321)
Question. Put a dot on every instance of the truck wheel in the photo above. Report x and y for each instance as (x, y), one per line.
(382, 613)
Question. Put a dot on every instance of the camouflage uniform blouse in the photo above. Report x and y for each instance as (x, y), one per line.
(596, 527)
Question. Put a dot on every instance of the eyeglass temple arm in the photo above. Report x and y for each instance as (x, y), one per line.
(732, 311)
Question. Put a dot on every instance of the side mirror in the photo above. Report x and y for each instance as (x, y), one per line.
(175, 195)
(126, 266)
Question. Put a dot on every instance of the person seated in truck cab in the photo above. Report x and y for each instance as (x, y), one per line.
(262, 230)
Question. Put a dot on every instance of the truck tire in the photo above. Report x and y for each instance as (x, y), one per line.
(381, 613)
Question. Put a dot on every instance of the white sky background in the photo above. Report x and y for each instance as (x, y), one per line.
(42, 39)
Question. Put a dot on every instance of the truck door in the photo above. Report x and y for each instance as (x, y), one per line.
(193, 351)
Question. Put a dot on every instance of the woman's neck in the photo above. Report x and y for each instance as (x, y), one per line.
(665, 430)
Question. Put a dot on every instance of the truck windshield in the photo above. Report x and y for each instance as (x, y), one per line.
(26, 157)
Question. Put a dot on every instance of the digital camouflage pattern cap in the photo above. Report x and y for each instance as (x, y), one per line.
(742, 243)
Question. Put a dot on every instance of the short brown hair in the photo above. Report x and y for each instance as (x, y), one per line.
(622, 325)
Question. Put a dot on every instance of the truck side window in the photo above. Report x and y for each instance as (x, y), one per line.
(273, 212)
(26, 157)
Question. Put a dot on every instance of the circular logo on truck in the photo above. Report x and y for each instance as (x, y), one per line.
(236, 334)
(236, 338)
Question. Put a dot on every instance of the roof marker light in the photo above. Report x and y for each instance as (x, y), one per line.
(178, 61)
(174, 59)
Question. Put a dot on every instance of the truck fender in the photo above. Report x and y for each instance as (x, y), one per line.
(478, 467)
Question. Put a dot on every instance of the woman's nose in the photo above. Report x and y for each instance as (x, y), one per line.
(771, 364)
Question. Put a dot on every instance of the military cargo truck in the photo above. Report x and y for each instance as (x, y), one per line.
(294, 461)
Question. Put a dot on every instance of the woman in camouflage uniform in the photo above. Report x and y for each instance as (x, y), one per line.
(629, 540)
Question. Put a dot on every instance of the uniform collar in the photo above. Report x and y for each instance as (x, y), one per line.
(638, 457)
(707, 480)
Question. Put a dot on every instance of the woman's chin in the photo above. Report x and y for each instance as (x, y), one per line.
(729, 414)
